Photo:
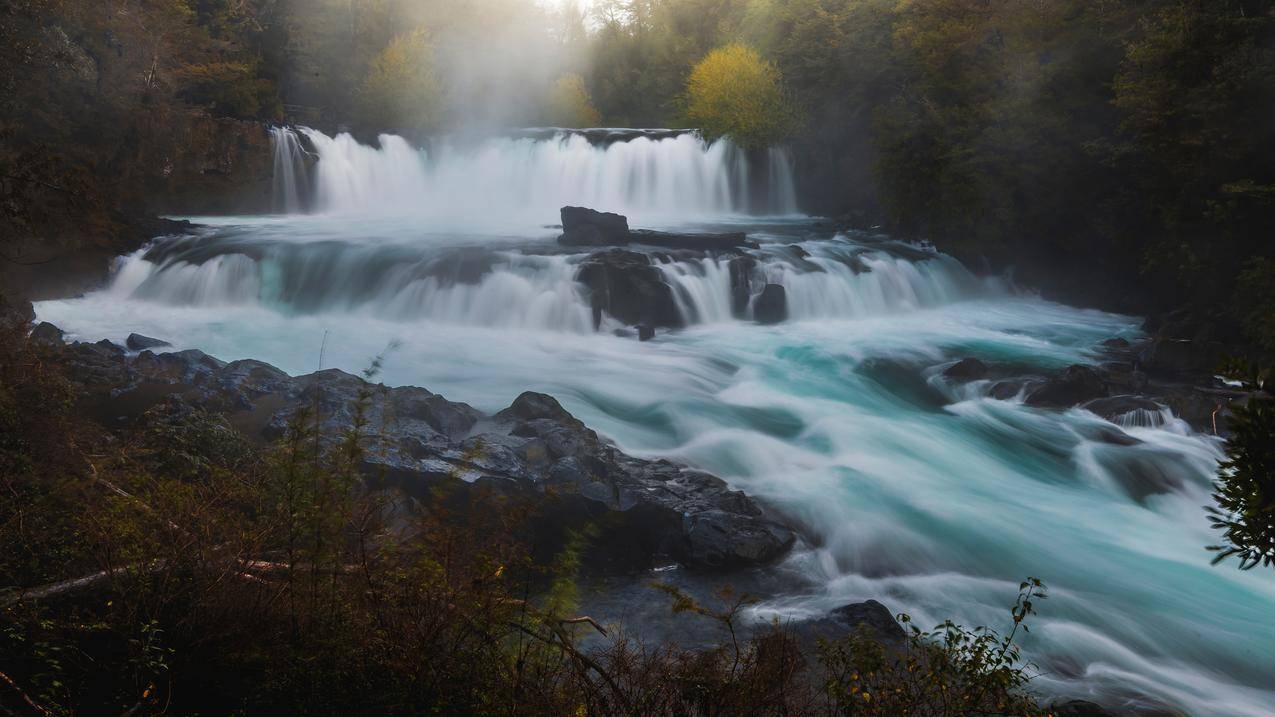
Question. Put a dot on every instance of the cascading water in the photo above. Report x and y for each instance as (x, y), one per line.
(934, 496)
(525, 180)
(290, 184)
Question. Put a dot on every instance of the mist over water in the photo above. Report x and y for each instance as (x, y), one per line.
(928, 495)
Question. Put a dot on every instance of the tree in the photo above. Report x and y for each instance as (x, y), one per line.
(402, 89)
(1245, 488)
(569, 104)
(735, 93)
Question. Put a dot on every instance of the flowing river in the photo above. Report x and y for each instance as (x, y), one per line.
(928, 495)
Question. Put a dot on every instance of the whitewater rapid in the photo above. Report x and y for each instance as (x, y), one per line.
(925, 494)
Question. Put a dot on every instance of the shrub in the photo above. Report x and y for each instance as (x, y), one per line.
(1245, 487)
(735, 93)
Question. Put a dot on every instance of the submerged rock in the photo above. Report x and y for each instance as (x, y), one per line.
(1076, 384)
(967, 369)
(771, 306)
(648, 511)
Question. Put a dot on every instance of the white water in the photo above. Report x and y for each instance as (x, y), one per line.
(521, 183)
(926, 495)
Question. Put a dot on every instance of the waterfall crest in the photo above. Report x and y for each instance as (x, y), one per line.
(521, 180)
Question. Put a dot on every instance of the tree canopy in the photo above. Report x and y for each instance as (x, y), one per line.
(735, 93)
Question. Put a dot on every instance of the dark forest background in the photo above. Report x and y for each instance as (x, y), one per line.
(1120, 154)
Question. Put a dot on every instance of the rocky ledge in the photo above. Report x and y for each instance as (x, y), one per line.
(651, 512)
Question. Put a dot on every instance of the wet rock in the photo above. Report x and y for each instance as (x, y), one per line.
(587, 227)
(47, 334)
(1074, 385)
(1113, 407)
(650, 511)
(625, 285)
(685, 240)
(771, 306)
(967, 369)
(1079, 708)
(872, 616)
(645, 332)
(1116, 343)
(138, 342)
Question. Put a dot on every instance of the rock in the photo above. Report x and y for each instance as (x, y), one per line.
(1112, 408)
(418, 441)
(137, 342)
(1079, 708)
(872, 616)
(682, 240)
(47, 334)
(587, 227)
(646, 332)
(625, 285)
(771, 306)
(967, 369)
(1116, 343)
(1076, 384)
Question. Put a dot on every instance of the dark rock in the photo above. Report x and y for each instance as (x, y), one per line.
(771, 306)
(1116, 343)
(47, 334)
(625, 285)
(586, 227)
(1075, 385)
(1079, 708)
(137, 342)
(651, 511)
(1112, 408)
(1009, 388)
(467, 265)
(684, 240)
(646, 332)
(873, 616)
(967, 369)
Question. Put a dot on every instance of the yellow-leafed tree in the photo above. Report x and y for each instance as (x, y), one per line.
(570, 105)
(401, 89)
(735, 93)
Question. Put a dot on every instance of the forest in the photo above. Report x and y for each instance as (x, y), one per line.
(227, 538)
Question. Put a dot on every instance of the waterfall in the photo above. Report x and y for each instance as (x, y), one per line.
(482, 286)
(289, 181)
(522, 181)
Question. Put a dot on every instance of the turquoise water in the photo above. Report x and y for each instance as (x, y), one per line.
(927, 496)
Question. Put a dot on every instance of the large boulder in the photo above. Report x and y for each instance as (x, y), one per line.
(626, 285)
(771, 306)
(587, 227)
(741, 270)
(648, 512)
(47, 334)
(1076, 384)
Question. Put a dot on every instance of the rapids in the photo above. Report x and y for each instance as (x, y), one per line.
(927, 495)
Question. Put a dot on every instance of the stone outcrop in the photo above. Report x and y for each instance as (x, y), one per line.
(626, 285)
(587, 227)
(649, 512)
